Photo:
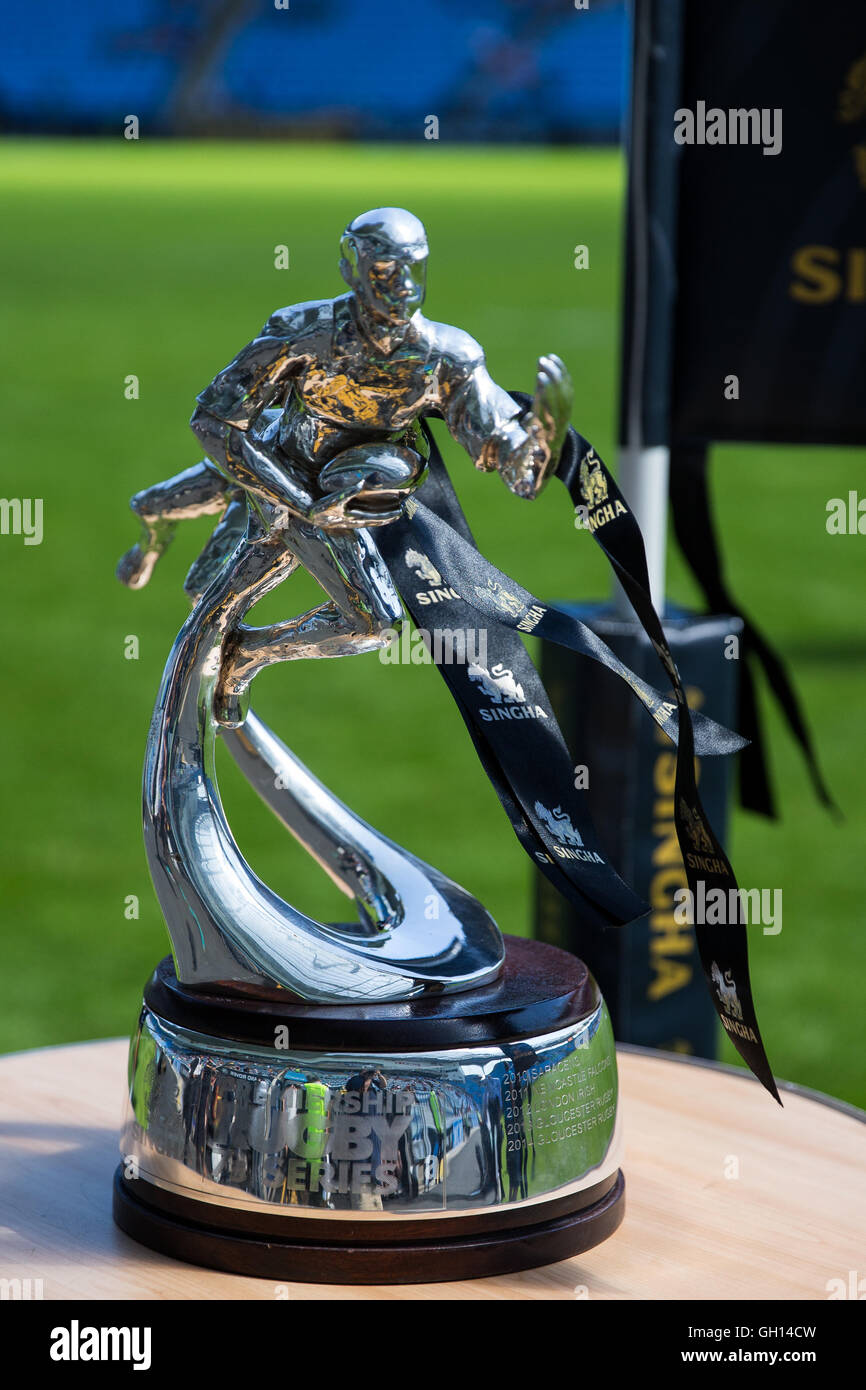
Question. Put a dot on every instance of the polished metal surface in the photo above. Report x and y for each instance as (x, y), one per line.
(417, 928)
(312, 439)
(380, 876)
(414, 1135)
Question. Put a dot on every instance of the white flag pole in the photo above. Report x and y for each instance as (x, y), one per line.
(643, 480)
(644, 468)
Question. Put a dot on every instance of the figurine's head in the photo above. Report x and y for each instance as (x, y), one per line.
(384, 261)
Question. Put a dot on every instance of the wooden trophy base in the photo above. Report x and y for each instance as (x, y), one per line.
(375, 1253)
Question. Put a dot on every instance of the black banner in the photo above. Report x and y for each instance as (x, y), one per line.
(770, 316)
(745, 267)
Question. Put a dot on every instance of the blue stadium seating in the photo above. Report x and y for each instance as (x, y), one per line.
(494, 69)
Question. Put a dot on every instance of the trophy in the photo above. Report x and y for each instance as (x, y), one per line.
(407, 1096)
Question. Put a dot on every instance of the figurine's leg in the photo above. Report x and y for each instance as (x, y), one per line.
(198, 491)
(363, 613)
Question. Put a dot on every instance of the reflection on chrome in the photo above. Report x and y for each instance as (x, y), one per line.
(418, 1134)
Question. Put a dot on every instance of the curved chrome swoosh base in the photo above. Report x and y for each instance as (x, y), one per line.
(229, 928)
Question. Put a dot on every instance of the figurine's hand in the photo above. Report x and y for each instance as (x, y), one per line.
(527, 466)
(554, 397)
(524, 472)
(333, 510)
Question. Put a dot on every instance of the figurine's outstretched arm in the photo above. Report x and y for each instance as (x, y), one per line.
(523, 447)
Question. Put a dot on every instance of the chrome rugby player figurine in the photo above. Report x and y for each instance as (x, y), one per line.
(424, 1067)
(315, 426)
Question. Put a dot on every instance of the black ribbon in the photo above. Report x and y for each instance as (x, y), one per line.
(511, 721)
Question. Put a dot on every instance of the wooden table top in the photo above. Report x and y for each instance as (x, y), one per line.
(727, 1196)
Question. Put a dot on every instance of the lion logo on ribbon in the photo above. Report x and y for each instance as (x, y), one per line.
(727, 992)
(695, 829)
(507, 603)
(423, 567)
(559, 824)
(593, 483)
(498, 684)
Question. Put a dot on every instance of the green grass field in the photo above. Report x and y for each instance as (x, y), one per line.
(158, 260)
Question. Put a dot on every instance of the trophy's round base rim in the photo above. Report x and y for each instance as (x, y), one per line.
(540, 989)
(484, 1250)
